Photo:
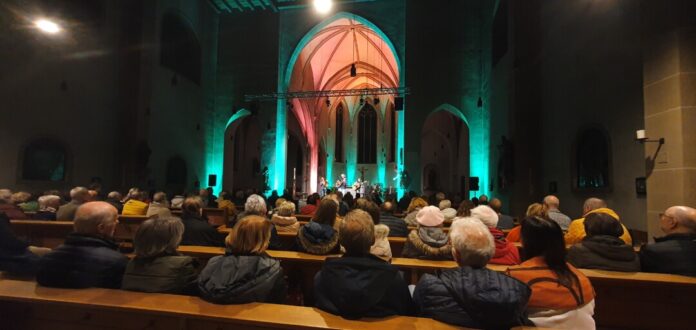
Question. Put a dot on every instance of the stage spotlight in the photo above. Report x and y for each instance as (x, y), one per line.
(328, 102)
(353, 70)
(323, 6)
(47, 26)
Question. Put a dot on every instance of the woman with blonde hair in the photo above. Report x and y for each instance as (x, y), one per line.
(284, 220)
(533, 210)
(417, 203)
(245, 273)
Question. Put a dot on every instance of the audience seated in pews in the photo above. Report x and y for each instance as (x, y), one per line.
(576, 230)
(88, 257)
(416, 205)
(114, 198)
(464, 209)
(553, 204)
(197, 231)
(7, 207)
(159, 207)
(311, 206)
(428, 240)
(320, 236)
(359, 284)
(381, 247)
(157, 267)
(448, 212)
(284, 219)
(245, 273)
(136, 204)
(602, 248)
(397, 226)
(504, 221)
(506, 253)
(674, 253)
(48, 206)
(533, 210)
(17, 257)
(472, 295)
(562, 296)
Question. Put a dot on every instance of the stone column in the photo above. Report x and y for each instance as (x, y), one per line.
(669, 87)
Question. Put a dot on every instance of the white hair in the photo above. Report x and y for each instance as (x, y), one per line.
(473, 242)
(46, 201)
(79, 194)
(255, 204)
(445, 204)
(5, 195)
(486, 215)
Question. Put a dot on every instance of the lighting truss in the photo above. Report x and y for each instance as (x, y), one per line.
(396, 91)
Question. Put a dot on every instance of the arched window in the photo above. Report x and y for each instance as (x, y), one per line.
(44, 160)
(392, 134)
(592, 160)
(176, 171)
(367, 135)
(180, 50)
(338, 148)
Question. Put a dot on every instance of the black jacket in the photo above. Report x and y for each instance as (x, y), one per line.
(672, 254)
(198, 232)
(166, 274)
(82, 262)
(397, 226)
(356, 286)
(15, 258)
(475, 298)
(233, 279)
(604, 252)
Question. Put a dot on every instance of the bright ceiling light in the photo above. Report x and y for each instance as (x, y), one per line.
(323, 6)
(47, 26)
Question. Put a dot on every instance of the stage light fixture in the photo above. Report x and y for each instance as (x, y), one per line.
(47, 26)
(323, 6)
(353, 70)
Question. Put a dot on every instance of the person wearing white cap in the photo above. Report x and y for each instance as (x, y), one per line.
(428, 240)
(506, 253)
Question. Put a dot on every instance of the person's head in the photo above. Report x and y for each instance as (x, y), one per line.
(274, 193)
(192, 206)
(203, 193)
(537, 210)
(79, 194)
(483, 200)
(312, 199)
(279, 202)
(138, 195)
(388, 207)
(430, 216)
(114, 195)
(224, 195)
(255, 204)
(93, 195)
(343, 175)
(326, 212)
(543, 237)
(286, 209)
(5, 196)
(157, 237)
(357, 232)
(49, 201)
(439, 197)
(417, 203)
(21, 197)
(552, 202)
(678, 220)
(250, 235)
(496, 205)
(486, 214)
(602, 224)
(464, 209)
(96, 218)
(472, 242)
(370, 207)
(592, 204)
(160, 198)
(475, 201)
(209, 190)
(445, 204)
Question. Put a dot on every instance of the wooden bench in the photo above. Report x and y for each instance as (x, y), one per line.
(624, 300)
(25, 305)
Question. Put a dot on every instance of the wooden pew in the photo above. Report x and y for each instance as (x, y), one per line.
(25, 305)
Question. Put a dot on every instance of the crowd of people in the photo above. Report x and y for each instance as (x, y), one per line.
(542, 285)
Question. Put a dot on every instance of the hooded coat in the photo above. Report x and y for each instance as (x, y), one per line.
(356, 286)
(381, 248)
(506, 253)
(427, 243)
(285, 224)
(473, 297)
(604, 252)
(241, 279)
(316, 238)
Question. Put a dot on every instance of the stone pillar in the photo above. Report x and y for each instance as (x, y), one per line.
(669, 87)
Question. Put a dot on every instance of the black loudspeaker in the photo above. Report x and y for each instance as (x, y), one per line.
(212, 180)
(474, 183)
(398, 103)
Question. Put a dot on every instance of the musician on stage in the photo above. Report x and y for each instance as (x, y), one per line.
(342, 182)
(322, 187)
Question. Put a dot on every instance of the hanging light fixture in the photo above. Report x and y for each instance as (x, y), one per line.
(353, 69)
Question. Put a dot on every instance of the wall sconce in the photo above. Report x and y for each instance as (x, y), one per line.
(642, 138)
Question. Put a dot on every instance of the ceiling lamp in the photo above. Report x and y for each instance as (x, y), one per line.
(353, 70)
(323, 6)
(47, 26)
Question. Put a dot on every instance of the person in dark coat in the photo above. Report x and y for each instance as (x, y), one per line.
(397, 226)
(472, 295)
(602, 248)
(114, 198)
(674, 253)
(89, 257)
(197, 231)
(157, 267)
(245, 273)
(320, 236)
(16, 256)
(78, 196)
(359, 284)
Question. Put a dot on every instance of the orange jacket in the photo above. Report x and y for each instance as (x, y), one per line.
(576, 230)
